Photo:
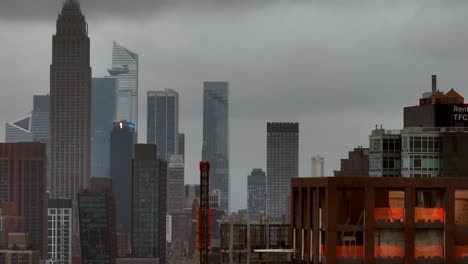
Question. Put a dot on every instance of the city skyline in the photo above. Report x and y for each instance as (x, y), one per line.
(343, 105)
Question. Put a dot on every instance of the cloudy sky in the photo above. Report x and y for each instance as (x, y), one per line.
(338, 67)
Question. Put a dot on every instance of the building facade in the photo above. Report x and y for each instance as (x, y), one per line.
(123, 140)
(318, 166)
(282, 166)
(40, 118)
(19, 130)
(163, 121)
(149, 204)
(97, 222)
(256, 191)
(339, 220)
(385, 153)
(216, 136)
(181, 144)
(125, 70)
(70, 106)
(59, 231)
(103, 112)
(175, 184)
(23, 179)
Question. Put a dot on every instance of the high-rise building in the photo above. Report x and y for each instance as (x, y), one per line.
(59, 231)
(23, 183)
(70, 103)
(318, 165)
(216, 136)
(97, 222)
(125, 69)
(256, 191)
(40, 122)
(181, 145)
(102, 118)
(163, 121)
(282, 166)
(175, 184)
(123, 139)
(149, 204)
(19, 130)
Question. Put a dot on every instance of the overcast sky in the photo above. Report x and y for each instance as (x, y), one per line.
(338, 67)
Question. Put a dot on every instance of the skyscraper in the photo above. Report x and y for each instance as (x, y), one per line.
(149, 204)
(19, 130)
(59, 231)
(23, 183)
(97, 222)
(256, 191)
(70, 95)
(123, 139)
(282, 165)
(216, 136)
(40, 123)
(175, 184)
(103, 111)
(317, 168)
(125, 69)
(163, 121)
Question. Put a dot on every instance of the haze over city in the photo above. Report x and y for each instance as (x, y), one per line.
(337, 68)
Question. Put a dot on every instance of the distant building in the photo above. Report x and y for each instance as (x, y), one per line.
(163, 121)
(19, 130)
(192, 191)
(23, 179)
(149, 204)
(124, 242)
(282, 166)
(59, 231)
(216, 136)
(125, 69)
(181, 144)
(175, 184)
(19, 251)
(40, 123)
(123, 139)
(103, 113)
(357, 163)
(318, 166)
(97, 222)
(256, 191)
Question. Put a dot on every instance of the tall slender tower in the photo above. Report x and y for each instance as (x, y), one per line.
(163, 121)
(125, 69)
(216, 136)
(70, 97)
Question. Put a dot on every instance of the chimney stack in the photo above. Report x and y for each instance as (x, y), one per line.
(434, 84)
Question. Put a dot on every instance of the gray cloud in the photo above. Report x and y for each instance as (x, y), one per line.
(337, 67)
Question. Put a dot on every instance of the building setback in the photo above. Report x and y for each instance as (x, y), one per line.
(256, 191)
(357, 163)
(23, 183)
(70, 103)
(123, 139)
(282, 166)
(216, 136)
(103, 112)
(163, 121)
(125, 69)
(149, 204)
(97, 222)
(59, 231)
